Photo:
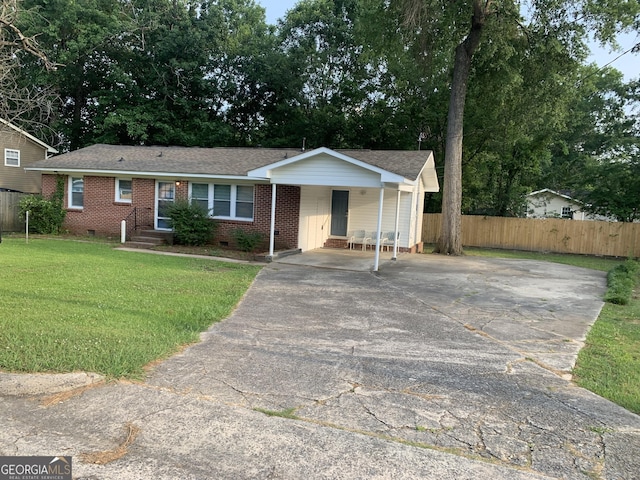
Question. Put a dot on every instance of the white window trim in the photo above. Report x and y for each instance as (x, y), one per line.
(118, 198)
(70, 194)
(11, 150)
(233, 200)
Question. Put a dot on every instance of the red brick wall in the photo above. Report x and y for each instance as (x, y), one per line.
(102, 214)
(287, 218)
(48, 185)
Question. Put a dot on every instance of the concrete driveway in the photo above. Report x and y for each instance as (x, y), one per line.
(434, 368)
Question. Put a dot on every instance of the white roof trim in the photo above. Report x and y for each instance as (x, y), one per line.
(138, 174)
(429, 174)
(553, 192)
(386, 176)
(49, 148)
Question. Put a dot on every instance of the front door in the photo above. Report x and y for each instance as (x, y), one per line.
(166, 192)
(339, 212)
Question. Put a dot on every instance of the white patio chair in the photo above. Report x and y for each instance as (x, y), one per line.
(357, 237)
(387, 240)
(374, 238)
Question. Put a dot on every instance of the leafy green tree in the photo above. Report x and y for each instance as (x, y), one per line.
(601, 126)
(144, 71)
(80, 36)
(615, 192)
(521, 96)
(327, 77)
(464, 24)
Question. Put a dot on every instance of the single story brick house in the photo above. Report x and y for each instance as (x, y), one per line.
(297, 199)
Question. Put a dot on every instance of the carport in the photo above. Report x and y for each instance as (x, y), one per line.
(343, 191)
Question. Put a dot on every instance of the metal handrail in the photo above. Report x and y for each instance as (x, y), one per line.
(133, 226)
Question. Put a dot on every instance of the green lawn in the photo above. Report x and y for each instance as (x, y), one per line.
(585, 261)
(609, 364)
(69, 305)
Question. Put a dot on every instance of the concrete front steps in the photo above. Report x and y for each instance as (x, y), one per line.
(149, 239)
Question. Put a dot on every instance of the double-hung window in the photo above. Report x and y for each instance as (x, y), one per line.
(232, 202)
(76, 192)
(11, 157)
(124, 191)
(200, 196)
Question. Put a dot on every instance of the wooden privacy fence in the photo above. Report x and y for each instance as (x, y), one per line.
(616, 239)
(9, 219)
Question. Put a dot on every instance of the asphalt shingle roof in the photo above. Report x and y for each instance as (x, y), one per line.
(214, 161)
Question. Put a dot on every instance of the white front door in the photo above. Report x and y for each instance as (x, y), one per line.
(314, 217)
(165, 196)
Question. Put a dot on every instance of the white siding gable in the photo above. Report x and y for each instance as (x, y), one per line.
(325, 170)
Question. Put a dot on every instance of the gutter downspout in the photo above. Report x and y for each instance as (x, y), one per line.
(395, 240)
(376, 261)
(272, 228)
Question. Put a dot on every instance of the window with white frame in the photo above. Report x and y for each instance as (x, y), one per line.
(76, 192)
(11, 157)
(567, 212)
(200, 195)
(234, 202)
(124, 190)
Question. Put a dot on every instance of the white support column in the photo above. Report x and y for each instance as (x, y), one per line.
(397, 226)
(376, 261)
(272, 229)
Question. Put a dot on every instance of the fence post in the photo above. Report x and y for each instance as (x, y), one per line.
(27, 226)
(123, 231)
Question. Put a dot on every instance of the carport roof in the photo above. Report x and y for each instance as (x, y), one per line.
(214, 162)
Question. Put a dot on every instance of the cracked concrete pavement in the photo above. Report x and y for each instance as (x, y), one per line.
(436, 367)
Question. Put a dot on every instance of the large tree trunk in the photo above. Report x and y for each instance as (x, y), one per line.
(450, 241)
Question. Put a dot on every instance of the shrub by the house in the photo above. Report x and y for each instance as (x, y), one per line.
(248, 241)
(45, 215)
(191, 224)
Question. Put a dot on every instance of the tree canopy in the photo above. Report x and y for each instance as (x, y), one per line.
(527, 110)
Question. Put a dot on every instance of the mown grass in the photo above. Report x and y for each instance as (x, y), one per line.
(609, 364)
(68, 306)
(585, 261)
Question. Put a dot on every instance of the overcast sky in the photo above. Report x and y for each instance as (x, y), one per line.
(628, 64)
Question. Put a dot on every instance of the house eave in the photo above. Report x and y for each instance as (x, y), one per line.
(48, 148)
(548, 191)
(138, 174)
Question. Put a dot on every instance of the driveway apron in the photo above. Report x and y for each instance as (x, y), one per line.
(434, 367)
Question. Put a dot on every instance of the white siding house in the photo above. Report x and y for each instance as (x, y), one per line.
(548, 203)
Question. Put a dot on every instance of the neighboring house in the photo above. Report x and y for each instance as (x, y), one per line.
(548, 203)
(19, 149)
(297, 199)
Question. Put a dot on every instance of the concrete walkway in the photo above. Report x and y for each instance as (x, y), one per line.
(434, 368)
